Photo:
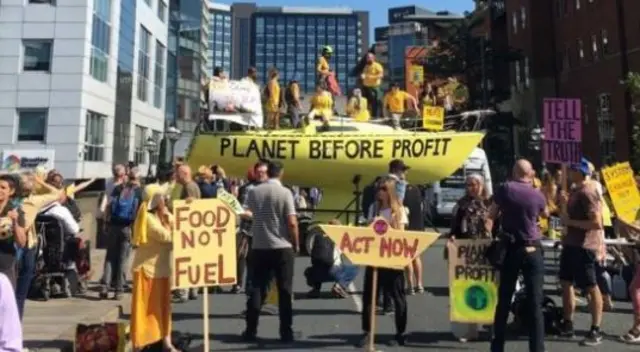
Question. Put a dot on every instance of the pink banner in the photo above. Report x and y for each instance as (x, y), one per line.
(562, 131)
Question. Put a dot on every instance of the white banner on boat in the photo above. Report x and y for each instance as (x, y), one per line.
(236, 101)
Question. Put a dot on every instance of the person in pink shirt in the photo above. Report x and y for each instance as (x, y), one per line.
(10, 328)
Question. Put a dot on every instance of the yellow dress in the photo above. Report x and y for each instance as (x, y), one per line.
(151, 296)
(322, 105)
(358, 112)
(273, 101)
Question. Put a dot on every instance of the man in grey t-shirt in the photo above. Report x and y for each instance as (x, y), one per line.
(275, 243)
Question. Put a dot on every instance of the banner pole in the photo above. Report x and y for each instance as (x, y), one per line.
(372, 312)
(205, 317)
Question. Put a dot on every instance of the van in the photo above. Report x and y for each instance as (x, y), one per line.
(443, 195)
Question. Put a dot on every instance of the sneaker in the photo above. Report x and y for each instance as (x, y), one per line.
(236, 289)
(398, 340)
(104, 293)
(287, 338)
(193, 295)
(249, 337)
(567, 329)
(364, 340)
(117, 296)
(632, 337)
(411, 291)
(388, 311)
(593, 338)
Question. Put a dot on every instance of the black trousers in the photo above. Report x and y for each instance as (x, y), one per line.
(267, 264)
(391, 282)
(531, 264)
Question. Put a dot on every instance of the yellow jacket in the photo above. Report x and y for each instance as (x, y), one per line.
(154, 256)
(322, 105)
(273, 100)
(31, 206)
(358, 113)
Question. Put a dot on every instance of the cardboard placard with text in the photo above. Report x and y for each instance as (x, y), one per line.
(623, 191)
(562, 131)
(433, 118)
(379, 245)
(204, 244)
(473, 282)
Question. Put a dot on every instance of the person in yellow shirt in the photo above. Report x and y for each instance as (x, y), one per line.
(151, 294)
(357, 107)
(272, 96)
(322, 67)
(372, 76)
(321, 106)
(394, 104)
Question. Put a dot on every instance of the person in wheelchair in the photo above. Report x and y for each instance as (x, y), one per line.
(327, 266)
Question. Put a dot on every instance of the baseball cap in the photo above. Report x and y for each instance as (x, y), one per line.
(398, 165)
(582, 167)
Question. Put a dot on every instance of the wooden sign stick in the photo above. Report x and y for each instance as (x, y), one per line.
(372, 313)
(205, 317)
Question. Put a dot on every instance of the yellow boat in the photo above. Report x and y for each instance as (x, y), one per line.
(330, 159)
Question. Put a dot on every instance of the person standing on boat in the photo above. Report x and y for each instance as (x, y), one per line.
(292, 98)
(323, 71)
(371, 80)
(272, 100)
(395, 102)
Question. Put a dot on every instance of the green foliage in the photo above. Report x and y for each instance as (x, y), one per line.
(633, 84)
(449, 57)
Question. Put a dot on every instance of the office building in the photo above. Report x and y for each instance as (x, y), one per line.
(188, 35)
(577, 49)
(219, 54)
(81, 82)
(408, 26)
(291, 38)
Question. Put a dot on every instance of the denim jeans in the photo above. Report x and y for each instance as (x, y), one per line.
(26, 271)
(118, 251)
(344, 274)
(531, 264)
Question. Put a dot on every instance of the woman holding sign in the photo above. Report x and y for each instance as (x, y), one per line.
(151, 301)
(391, 281)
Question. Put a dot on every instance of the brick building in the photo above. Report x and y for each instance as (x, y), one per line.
(577, 49)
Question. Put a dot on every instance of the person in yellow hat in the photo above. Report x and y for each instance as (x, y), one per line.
(151, 300)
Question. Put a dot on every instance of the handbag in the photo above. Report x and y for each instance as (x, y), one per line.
(497, 250)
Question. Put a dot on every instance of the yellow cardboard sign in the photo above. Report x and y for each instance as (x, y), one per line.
(379, 245)
(473, 283)
(433, 118)
(417, 75)
(204, 244)
(623, 191)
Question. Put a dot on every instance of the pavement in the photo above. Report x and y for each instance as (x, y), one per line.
(50, 326)
(334, 324)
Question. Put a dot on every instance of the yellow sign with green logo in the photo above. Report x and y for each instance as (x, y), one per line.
(473, 283)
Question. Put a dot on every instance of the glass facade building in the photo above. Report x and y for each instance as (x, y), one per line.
(219, 38)
(291, 41)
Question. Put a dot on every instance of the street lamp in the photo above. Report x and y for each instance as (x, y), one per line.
(152, 147)
(173, 134)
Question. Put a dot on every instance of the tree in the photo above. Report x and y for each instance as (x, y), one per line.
(633, 84)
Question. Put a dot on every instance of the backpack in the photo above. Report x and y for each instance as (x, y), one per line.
(322, 251)
(551, 313)
(72, 205)
(124, 207)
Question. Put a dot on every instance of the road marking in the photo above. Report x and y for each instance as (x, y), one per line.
(357, 299)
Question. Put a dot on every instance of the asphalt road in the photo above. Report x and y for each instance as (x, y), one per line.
(334, 325)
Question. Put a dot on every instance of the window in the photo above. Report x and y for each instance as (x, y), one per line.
(100, 40)
(94, 136)
(580, 50)
(577, 4)
(526, 72)
(514, 20)
(148, 2)
(140, 136)
(37, 55)
(594, 47)
(162, 10)
(523, 17)
(159, 75)
(605, 42)
(518, 74)
(32, 125)
(561, 7)
(51, 2)
(606, 130)
(157, 137)
(143, 64)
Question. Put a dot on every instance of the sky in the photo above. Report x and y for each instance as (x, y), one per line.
(377, 15)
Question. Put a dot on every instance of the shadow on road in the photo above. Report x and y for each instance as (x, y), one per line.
(441, 291)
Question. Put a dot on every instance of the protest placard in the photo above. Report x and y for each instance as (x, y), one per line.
(623, 191)
(562, 141)
(204, 248)
(230, 200)
(473, 282)
(379, 246)
(433, 118)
